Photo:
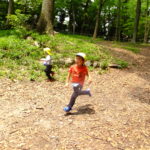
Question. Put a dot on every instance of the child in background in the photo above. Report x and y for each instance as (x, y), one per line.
(48, 63)
(77, 74)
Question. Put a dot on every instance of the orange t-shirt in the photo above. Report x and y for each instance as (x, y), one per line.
(78, 74)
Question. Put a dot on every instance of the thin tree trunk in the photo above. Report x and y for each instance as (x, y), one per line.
(70, 19)
(137, 19)
(104, 23)
(108, 26)
(74, 20)
(45, 23)
(85, 15)
(117, 34)
(147, 32)
(10, 9)
(98, 18)
(147, 24)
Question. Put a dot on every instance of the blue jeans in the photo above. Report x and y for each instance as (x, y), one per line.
(77, 92)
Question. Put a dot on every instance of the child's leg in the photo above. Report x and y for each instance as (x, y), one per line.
(85, 92)
(77, 91)
(51, 72)
(74, 96)
(48, 71)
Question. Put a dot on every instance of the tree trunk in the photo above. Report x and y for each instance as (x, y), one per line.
(74, 20)
(147, 24)
(72, 17)
(85, 16)
(117, 34)
(10, 9)
(98, 18)
(137, 19)
(45, 23)
(104, 24)
(108, 26)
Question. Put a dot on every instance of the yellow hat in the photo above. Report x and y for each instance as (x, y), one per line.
(48, 51)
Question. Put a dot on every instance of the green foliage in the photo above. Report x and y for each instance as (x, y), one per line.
(68, 45)
(128, 46)
(133, 49)
(29, 5)
(122, 63)
(3, 13)
(18, 22)
(104, 64)
(19, 57)
(61, 74)
(27, 13)
(102, 71)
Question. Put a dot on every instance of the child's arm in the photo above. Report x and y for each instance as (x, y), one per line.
(89, 78)
(43, 59)
(68, 79)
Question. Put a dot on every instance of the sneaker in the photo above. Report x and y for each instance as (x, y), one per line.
(51, 80)
(89, 92)
(67, 109)
(53, 73)
(48, 80)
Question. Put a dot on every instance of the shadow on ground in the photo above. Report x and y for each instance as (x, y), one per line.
(142, 94)
(86, 109)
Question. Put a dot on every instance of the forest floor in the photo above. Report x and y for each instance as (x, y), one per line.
(116, 117)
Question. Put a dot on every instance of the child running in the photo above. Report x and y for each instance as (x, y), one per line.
(77, 74)
(48, 64)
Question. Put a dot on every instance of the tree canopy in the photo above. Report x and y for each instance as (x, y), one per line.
(121, 20)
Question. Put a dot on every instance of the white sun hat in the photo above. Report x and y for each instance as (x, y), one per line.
(83, 55)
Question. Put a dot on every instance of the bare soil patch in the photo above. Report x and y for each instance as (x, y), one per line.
(117, 117)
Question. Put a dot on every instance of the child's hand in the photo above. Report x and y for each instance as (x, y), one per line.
(89, 82)
(41, 61)
(67, 84)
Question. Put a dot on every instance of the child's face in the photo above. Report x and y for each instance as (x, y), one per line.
(79, 61)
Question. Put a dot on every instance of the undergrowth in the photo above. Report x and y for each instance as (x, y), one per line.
(128, 46)
(19, 57)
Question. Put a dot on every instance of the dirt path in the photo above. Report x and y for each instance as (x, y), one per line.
(117, 117)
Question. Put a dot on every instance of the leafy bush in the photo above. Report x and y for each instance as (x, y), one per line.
(18, 57)
(104, 65)
(18, 22)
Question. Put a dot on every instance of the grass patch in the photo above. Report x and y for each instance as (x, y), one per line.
(128, 46)
(122, 63)
(19, 57)
(145, 44)
(133, 49)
